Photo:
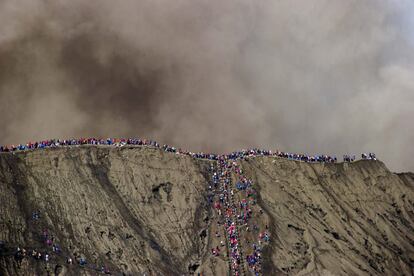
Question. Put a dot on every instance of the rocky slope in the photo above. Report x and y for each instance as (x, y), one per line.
(141, 211)
(354, 219)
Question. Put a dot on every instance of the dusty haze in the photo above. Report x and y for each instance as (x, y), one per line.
(307, 76)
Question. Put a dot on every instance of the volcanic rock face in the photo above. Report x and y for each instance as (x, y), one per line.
(351, 218)
(141, 211)
(136, 210)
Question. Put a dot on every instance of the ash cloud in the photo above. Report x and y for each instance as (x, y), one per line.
(306, 76)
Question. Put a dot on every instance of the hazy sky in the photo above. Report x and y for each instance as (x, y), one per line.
(318, 76)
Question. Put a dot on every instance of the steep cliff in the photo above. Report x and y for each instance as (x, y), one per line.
(142, 211)
(136, 210)
(350, 218)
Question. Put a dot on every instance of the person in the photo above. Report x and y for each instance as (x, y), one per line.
(35, 215)
(82, 261)
(18, 255)
(56, 248)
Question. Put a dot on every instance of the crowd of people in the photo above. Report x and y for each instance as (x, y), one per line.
(42, 255)
(227, 210)
(51, 251)
(54, 143)
(236, 209)
(120, 142)
(246, 214)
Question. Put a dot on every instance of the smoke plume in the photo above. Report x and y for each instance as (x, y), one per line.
(323, 76)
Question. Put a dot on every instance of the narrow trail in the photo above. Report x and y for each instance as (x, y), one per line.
(238, 214)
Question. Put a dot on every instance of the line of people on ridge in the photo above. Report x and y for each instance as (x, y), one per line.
(120, 142)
